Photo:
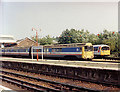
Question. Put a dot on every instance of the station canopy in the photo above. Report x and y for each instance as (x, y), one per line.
(7, 41)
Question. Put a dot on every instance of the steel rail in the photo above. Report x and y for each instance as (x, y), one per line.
(106, 61)
(53, 82)
(111, 58)
(25, 84)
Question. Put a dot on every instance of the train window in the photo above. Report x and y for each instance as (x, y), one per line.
(91, 48)
(85, 48)
(14, 51)
(105, 48)
(3, 50)
(88, 48)
(20, 50)
(34, 50)
(46, 50)
(80, 49)
(95, 48)
(55, 49)
(39, 50)
(60, 50)
(26, 50)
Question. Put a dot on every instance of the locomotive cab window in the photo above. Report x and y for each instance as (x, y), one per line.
(105, 48)
(80, 49)
(95, 48)
(88, 48)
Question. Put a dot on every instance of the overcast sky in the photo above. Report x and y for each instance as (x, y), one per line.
(52, 18)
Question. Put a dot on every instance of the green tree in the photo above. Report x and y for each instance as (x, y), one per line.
(45, 40)
(74, 36)
(108, 38)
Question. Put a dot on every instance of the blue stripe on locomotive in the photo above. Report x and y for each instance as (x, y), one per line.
(73, 49)
(76, 49)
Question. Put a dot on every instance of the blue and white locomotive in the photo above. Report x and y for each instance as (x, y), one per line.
(74, 50)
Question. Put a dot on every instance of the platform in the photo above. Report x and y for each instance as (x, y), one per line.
(101, 72)
(84, 64)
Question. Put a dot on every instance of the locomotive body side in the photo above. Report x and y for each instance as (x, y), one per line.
(15, 51)
(71, 51)
(75, 50)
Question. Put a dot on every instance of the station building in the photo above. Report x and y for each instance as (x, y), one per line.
(9, 41)
(26, 42)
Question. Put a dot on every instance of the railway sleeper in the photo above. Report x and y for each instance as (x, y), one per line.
(25, 84)
(90, 74)
(59, 85)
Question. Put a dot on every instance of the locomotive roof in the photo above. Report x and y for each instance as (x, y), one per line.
(16, 47)
(102, 45)
(55, 46)
(67, 45)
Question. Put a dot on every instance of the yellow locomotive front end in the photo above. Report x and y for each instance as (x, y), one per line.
(87, 51)
(105, 51)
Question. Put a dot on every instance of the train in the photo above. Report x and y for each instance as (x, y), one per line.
(67, 51)
(101, 50)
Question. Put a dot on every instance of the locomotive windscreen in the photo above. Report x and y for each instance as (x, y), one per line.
(105, 48)
(88, 48)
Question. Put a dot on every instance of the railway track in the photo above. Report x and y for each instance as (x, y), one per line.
(108, 58)
(112, 58)
(57, 71)
(50, 85)
(105, 60)
(54, 86)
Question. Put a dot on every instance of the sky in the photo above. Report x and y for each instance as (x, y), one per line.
(52, 18)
